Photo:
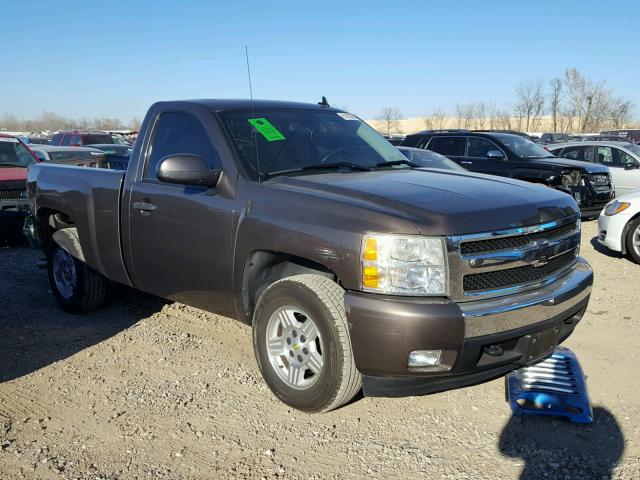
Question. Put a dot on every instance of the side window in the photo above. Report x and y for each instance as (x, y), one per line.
(423, 142)
(573, 153)
(624, 158)
(605, 156)
(177, 133)
(479, 147)
(588, 153)
(76, 141)
(66, 139)
(448, 145)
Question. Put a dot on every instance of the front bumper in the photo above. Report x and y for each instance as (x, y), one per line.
(591, 201)
(611, 231)
(11, 220)
(385, 329)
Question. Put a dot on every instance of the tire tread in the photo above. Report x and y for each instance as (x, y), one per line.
(331, 295)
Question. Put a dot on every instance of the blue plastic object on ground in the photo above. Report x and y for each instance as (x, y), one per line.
(555, 387)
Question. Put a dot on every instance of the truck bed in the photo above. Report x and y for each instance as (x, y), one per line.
(91, 198)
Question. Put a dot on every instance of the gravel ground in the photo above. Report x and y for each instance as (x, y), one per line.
(146, 389)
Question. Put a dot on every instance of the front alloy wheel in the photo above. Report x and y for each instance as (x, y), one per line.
(295, 347)
(302, 344)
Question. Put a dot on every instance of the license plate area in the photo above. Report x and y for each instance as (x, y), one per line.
(542, 344)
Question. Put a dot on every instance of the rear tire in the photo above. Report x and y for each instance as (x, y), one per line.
(302, 344)
(633, 240)
(76, 287)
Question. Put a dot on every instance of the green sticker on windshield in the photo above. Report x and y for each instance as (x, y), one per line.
(268, 131)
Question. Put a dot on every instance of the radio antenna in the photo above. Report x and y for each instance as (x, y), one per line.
(253, 112)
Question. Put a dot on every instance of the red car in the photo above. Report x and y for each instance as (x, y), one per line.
(77, 138)
(15, 158)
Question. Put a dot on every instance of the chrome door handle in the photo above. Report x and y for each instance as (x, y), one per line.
(466, 163)
(144, 206)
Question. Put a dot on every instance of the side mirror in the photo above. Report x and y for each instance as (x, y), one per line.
(187, 170)
(495, 155)
(631, 166)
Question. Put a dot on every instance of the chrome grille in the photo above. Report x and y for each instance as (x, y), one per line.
(517, 276)
(499, 263)
(503, 243)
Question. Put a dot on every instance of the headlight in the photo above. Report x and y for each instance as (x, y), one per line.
(404, 265)
(615, 207)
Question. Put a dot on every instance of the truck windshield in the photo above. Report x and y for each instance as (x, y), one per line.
(522, 147)
(283, 141)
(13, 153)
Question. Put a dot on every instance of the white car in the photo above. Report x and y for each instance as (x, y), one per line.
(619, 225)
(622, 158)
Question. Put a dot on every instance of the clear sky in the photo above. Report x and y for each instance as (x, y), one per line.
(113, 59)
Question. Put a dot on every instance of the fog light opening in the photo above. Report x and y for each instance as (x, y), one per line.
(424, 358)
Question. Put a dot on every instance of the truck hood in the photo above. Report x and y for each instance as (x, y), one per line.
(440, 202)
(566, 162)
(13, 173)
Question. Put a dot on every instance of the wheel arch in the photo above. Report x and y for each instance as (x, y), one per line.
(264, 267)
(625, 231)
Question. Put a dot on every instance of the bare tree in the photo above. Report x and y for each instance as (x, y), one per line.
(555, 99)
(53, 121)
(390, 118)
(503, 120)
(465, 113)
(134, 124)
(588, 101)
(620, 112)
(436, 120)
(530, 102)
(492, 115)
(480, 111)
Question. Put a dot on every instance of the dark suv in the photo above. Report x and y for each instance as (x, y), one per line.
(76, 138)
(514, 156)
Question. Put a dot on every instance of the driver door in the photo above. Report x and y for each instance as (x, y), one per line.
(180, 242)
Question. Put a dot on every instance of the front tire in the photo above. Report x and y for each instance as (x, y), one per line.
(633, 240)
(76, 287)
(302, 344)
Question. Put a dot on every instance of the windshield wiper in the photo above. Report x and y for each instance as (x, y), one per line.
(320, 166)
(336, 165)
(392, 163)
(11, 165)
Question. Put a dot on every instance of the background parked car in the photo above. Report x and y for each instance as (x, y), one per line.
(394, 138)
(622, 158)
(629, 134)
(619, 225)
(554, 137)
(117, 156)
(15, 158)
(514, 156)
(427, 158)
(36, 139)
(76, 138)
(78, 156)
(605, 138)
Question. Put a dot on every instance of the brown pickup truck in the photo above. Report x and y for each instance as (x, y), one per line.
(355, 267)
